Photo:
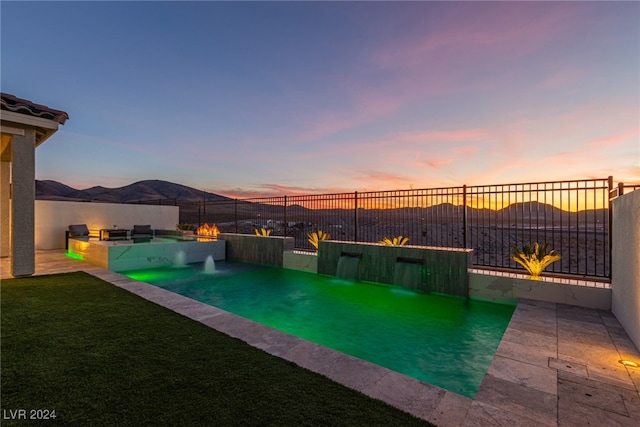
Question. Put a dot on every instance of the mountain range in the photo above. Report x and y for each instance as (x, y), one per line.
(138, 191)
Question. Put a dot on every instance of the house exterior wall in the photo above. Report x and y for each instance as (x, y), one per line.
(625, 265)
(52, 218)
(5, 209)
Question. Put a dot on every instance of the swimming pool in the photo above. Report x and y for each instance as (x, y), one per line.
(444, 341)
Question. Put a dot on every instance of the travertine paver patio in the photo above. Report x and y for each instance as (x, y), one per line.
(557, 365)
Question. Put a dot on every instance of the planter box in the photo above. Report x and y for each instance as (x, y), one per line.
(303, 261)
(507, 287)
(258, 249)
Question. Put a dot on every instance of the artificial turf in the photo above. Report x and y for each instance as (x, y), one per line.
(99, 355)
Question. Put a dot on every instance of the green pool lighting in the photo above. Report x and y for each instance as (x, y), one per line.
(416, 334)
(75, 256)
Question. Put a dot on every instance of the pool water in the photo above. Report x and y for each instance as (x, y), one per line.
(445, 341)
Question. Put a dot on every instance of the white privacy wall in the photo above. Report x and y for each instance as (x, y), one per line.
(625, 264)
(52, 218)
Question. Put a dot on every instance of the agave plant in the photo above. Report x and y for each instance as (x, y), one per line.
(186, 227)
(262, 232)
(316, 236)
(535, 259)
(396, 241)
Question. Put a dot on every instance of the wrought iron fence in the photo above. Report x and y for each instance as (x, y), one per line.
(571, 216)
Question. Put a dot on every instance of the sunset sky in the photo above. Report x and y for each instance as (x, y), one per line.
(246, 98)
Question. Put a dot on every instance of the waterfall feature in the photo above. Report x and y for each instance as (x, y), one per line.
(408, 273)
(180, 259)
(348, 266)
(209, 265)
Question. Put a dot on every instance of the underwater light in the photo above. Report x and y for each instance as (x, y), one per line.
(629, 363)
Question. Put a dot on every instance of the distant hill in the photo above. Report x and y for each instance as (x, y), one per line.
(138, 191)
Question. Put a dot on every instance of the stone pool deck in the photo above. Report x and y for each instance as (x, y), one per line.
(557, 365)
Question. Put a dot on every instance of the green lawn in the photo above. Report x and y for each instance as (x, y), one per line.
(99, 355)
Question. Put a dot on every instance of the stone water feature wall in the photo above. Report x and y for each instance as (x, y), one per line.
(258, 249)
(443, 270)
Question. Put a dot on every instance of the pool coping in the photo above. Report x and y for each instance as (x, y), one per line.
(555, 366)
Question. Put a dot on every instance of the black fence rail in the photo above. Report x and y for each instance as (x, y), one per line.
(572, 217)
(622, 189)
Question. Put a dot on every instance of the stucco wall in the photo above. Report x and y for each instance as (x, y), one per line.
(625, 266)
(5, 209)
(52, 218)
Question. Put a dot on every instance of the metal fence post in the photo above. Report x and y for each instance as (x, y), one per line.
(355, 216)
(610, 231)
(235, 213)
(204, 204)
(464, 216)
(285, 216)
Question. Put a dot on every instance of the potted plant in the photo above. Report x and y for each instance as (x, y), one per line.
(535, 259)
(185, 228)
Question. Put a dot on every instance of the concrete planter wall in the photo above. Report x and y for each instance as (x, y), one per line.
(303, 261)
(444, 270)
(513, 287)
(258, 249)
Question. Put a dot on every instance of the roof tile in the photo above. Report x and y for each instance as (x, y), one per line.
(23, 106)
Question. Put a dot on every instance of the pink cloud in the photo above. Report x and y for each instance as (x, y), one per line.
(364, 108)
(613, 141)
(465, 50)
(431, 147)
(480, 31)
(277, 190)
(466, 151)
(454, 135)
(440, 58)
(616, 154)
(561, 79)
(436, 163)
(382, 180)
